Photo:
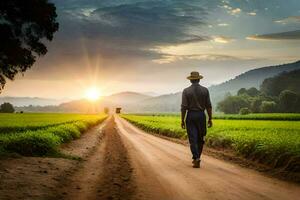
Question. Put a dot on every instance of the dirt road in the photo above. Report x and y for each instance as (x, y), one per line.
(120, 161)
(163, 171)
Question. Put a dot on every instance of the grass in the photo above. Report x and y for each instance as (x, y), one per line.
(41, 134)
(262, 116)
(16, 122)
(274, 143)
(252, 116)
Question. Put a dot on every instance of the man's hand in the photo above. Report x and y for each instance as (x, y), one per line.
(182, 125)
(209, 123)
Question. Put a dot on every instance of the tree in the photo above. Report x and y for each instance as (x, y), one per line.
(284, 81)
(288, 101)
(268, 107)
(244, 111)
(7, 108)
(23, 26)
(255, 105)
(232, 104)
(252, 92)
(242, 91)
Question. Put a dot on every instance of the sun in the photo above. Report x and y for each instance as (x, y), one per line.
(93, 94)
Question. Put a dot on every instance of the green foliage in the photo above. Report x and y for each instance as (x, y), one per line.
(284, 81)
(24, 28)
(7, 108)
(278, 94)
(244, 111)
(253, 92)
(255, 104)
(31, 143)
(242, 91)
(10, 123)
(40, 134)
(233, 104)
(268, 107)
(261, 116)
(289, 101)
(251, 116)
(274, 143)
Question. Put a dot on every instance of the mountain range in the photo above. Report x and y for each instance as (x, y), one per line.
(35, 101)
(138, 102)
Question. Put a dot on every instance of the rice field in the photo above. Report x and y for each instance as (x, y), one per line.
(36, 134)
(251, 116)
(272, 142)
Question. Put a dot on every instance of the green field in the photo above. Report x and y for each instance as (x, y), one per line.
(252, 116)
(41, 134)
(275, 143)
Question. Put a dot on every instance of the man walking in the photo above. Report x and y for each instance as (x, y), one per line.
(195, 100)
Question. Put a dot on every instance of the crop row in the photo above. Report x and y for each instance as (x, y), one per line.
(45, 139)
(252, 116)
(274, 143)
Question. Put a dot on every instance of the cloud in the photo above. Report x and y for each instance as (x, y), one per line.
(290, 35)
(169, 58)
(222, 39)
(289, 20)
(130, 28)
(251, 13)
(235, 11)
(223, 24)
(232, 11)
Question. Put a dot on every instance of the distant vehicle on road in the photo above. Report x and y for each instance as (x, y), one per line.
(118, 110)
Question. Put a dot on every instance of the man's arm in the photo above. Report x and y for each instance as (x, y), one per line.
(184, 105)
(183, 113)
(209, 113)
(209, 110)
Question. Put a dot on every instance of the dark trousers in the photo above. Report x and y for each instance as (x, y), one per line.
(196, 130)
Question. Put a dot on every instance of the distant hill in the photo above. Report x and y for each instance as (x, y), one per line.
(162, 103)
(284, 81)
(26, 101)
(123, 98)
(252, 78)
(137, 102)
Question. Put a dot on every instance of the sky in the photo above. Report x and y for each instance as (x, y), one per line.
(151, 46)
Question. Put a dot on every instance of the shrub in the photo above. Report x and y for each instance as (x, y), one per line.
(288, 101)
(7, 108)
(255, 105)
(244, 111)
(43, 140)
(232, 104)
(32, 143)
(268, 107)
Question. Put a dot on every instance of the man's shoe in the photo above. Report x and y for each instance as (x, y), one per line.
(196, 163)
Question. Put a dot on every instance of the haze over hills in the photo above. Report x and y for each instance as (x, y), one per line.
(138, 102)
(125, 98)
(35, 101)
(252, 78)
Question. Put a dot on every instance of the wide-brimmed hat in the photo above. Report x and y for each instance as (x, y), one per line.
(194, 76)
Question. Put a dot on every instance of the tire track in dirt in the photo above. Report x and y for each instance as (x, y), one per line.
(105, 174)
(38, 178)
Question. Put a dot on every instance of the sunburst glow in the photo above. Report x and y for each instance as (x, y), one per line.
(93, 94)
